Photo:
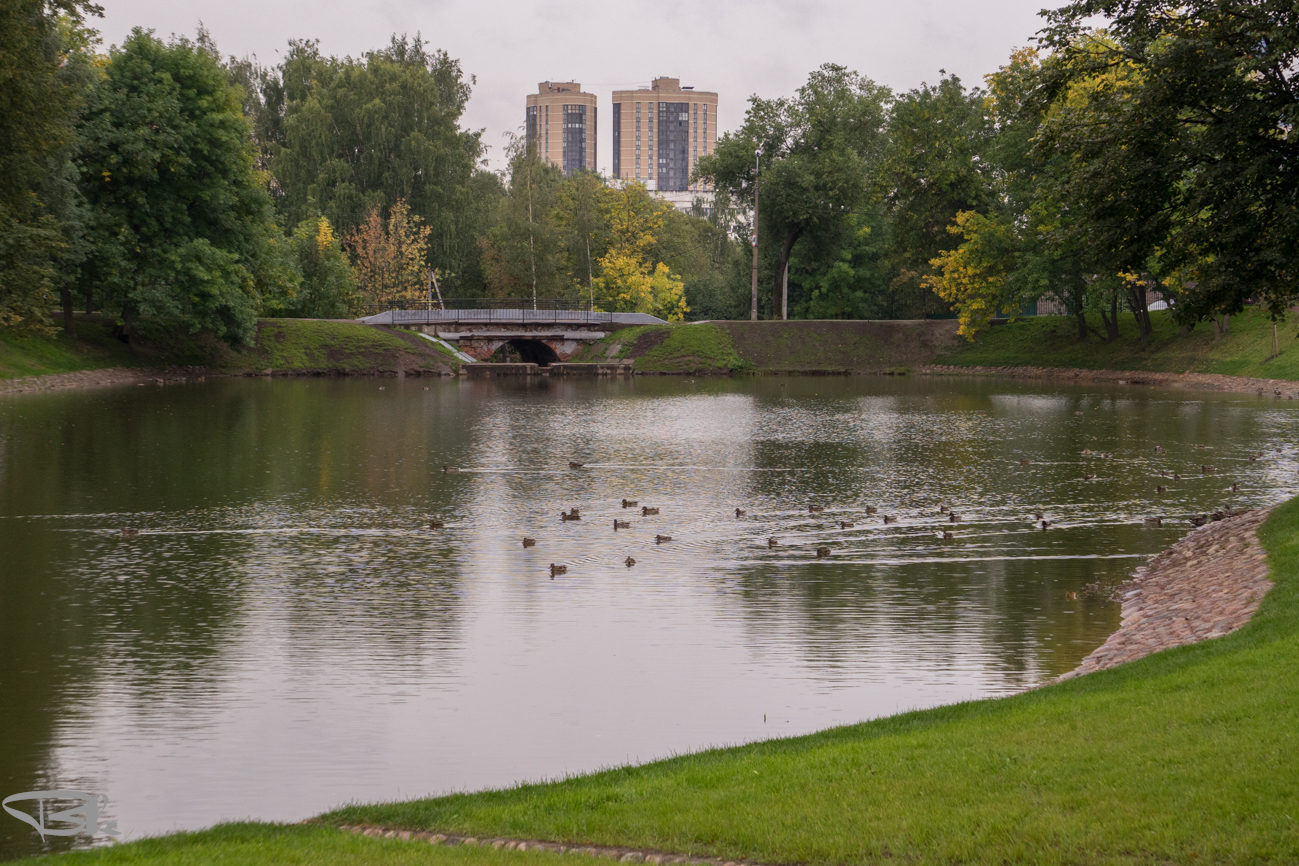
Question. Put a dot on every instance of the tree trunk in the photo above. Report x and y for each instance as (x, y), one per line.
(90, 298)
(65, 295)
(791, 238)
(1137, 301)
(1081, 316)
(1226, 323)
(1112, 320)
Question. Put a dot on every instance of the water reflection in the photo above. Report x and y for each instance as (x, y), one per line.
(286, 633)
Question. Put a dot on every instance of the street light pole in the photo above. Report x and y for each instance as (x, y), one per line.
(757, 167)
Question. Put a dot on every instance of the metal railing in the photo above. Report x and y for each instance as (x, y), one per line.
(487, 310)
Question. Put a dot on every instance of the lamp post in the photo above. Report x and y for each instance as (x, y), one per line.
(757, 167)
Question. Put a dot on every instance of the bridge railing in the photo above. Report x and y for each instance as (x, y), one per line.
(487, 310)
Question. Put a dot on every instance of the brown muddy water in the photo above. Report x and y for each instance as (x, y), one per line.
(286, 634)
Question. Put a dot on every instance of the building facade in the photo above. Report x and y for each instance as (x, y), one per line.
(659, 134)
(561, 125)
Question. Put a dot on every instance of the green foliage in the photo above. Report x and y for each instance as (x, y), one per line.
(327, 290)
(524, 254)
(361, 133)
(43, 76)
(934, 169)
(92, 346)
(1187, 160)
(844, 274)
(820, 153)
(181, 225)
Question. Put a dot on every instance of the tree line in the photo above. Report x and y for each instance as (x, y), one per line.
(169, 186)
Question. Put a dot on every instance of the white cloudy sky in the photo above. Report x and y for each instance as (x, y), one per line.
(734, 48)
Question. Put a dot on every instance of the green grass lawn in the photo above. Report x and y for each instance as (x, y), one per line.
(1188, 756)
(1053, 342)
(701, 348)
(283, 345)
(94, 348)
(251, 844)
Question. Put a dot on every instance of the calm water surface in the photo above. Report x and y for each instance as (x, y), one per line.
(286, 634)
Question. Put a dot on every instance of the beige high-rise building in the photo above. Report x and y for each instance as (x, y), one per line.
(561, 122)
(660, 132)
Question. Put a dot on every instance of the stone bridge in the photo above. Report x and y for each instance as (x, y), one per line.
(541, 336)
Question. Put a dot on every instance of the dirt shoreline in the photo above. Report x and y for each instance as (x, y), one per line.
(1206, 585)
(1271, 388)
(1276, 388)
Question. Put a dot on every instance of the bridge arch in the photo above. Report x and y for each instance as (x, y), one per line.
(535, 352)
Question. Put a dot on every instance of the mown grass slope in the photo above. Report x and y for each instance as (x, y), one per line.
(253, 844)
(703, 348)
(1053, 342)
(1186, 756)
(286, 346)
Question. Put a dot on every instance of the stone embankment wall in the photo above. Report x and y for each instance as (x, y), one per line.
(1207, 585)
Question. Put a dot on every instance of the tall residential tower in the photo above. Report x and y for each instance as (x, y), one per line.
(561, 125)
(660, 132)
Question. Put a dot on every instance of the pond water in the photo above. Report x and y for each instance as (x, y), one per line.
(286, 634)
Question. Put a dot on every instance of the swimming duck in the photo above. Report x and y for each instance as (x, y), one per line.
(946, 535)
(740, 512)
(436, 524)
(1235, 488)
(557, 569)
(629, 562)
(771, 542)
(571, 514)
(871, 509)
(1087, 477)
(890, 518)
(1207, 470)
(1154, 521)
(529, 542)
(621, 524)
(943, 509)
(128, 532)
(1047, 524)
(953, 517)
(1176, 477)
(1086, 451)
(1161, 488)
(450, 469)
(843, 524)
(812, 509)
(1038, 514)
(822, 552)
(573, 464)
(646, 511)
(659, 539)
(1024, 461)
(1199, 520)
(1160, 449)
(629, 503)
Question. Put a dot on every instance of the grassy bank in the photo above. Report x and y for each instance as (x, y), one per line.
(1053, 342)
(1188, 756)
(703, 348)
(288, 346)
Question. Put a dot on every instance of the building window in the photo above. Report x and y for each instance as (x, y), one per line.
(617, 139)
(574, 154)
(705, 130)
(673, 146)
(530, 135)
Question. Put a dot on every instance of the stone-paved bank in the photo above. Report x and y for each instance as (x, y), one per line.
(622, 855)
(1207, 585)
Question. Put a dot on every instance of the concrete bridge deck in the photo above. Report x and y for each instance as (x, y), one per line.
(543, 336)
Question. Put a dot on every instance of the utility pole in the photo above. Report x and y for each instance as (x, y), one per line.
(757, 167)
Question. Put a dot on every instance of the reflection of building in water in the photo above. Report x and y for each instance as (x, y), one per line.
(561, 124)
(659, 134)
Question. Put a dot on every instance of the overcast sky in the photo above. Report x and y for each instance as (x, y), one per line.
(734, 48)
